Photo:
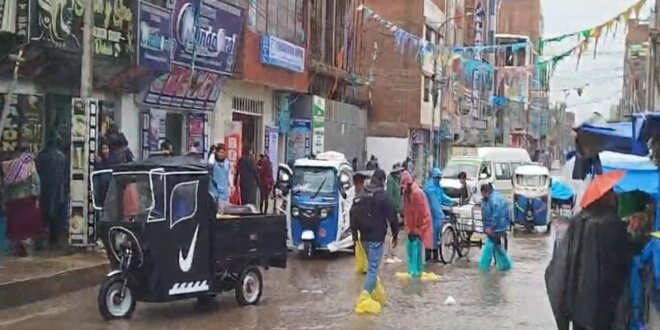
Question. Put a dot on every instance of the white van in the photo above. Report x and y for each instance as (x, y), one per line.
(488, 164)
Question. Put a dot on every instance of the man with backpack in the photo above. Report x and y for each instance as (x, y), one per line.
(370, 215)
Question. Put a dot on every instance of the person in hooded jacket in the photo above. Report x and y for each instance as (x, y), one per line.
(416, 215)
(372, 234)
(496, 216)
(436, 198)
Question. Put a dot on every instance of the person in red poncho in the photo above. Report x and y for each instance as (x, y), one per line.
(416, 212)
(265, 169)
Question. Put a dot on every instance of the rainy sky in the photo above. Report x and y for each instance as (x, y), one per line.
(604, 73)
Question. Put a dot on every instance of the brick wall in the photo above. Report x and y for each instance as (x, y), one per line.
(397, 88)
(520, 17)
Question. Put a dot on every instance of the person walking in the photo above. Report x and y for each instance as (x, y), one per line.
(53, 199)
(417, 221)
(247, 177)
(393, 191)
(371, 214)
(372, 164)
(220, 169)
(20, 198)
(496, 219)
(437, 199)
(265, 168)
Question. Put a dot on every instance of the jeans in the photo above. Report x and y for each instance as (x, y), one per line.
(374, 252)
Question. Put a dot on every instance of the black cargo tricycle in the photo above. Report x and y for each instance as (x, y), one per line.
(165, 241)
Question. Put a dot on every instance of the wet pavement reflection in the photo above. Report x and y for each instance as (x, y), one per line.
(320, 294)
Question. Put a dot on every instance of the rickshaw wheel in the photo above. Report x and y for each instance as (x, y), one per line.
(111, 305)
(249, 287)
(447, 248)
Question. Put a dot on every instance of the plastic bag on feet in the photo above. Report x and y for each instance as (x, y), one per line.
(365, 304)
(379, 293)
(486, 255)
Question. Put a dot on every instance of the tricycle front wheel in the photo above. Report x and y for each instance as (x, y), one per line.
(249, 286)
(116, 300)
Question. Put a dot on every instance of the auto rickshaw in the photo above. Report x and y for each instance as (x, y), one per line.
(165, 241)
(531, 197)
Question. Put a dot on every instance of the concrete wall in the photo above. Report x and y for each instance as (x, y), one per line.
(388, 150)
(345, 129)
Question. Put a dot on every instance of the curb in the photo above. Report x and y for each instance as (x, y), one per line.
(23, 292)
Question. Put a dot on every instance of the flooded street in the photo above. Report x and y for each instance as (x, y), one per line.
(320, 294)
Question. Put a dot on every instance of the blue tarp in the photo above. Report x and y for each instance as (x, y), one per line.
(641, 173)
(618, 136)
(560, 190)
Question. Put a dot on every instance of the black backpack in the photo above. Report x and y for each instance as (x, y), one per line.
(362, 209)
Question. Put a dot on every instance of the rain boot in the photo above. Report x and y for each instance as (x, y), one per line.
(379, 293)
(365, 304)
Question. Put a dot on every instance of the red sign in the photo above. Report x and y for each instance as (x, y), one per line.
(181, 89)
(233, 144)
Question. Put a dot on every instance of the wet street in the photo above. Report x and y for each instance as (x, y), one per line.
(320, 294)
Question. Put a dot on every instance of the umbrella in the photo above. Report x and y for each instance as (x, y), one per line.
(600, 185)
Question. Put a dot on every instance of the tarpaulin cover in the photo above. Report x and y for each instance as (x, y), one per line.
(641, 174)
(587, 274)
(618, 137)
(560, 190)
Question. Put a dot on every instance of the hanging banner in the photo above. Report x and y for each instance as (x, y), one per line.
(84, 138)
(175, 89)
(24, 122)
(212, 46)
(233, 144)
(298, 144)
(271, 139)
(154, 39)
(318, 125)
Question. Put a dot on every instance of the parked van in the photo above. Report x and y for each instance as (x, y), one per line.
(488, 164)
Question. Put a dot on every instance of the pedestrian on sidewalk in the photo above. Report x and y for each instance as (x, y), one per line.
(265, 168)
(247, 177)
(417, 221)
(371, 214)
(220, 169)
(52, 168)
(20, 197)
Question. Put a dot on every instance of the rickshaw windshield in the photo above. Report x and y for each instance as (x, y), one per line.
(129, 198)
(531, 180)
(314, 180)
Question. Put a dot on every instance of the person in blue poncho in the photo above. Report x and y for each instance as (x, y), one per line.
(437, 198)
(496, 218)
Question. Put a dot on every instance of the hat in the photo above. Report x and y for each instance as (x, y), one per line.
(406, 178)
(397, 168)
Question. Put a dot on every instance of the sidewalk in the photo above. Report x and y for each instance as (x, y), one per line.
(27, 280)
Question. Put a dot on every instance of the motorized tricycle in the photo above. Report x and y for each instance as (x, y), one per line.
(531, 197)
(165, 241)
(318, 197)
(562, 199)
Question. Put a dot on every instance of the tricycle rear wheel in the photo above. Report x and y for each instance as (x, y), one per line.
(112, 305)
(249, 286)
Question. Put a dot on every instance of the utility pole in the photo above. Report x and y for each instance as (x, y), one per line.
(86, 73)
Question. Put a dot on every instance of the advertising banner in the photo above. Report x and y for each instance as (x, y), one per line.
(271, 145)
(197, 132)
(24, 122)
(212, 46)
(154, 41)
(233, 144)
(281, 53)
(318, 124)
(298, 144)
(175, 89)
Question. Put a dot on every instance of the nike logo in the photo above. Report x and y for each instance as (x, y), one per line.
(186, 263)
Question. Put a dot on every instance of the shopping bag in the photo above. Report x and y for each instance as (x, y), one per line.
(366, 304)
(379, 293)
(415, 254)
(360, 258)
(235, 196)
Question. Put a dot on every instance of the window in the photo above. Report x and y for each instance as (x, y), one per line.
(314, 180)
(129, 198)
(431, 35)
(280, 18)
(428, 84)
(503, 171)
(485, 169)
(183, 203)
(531, 180)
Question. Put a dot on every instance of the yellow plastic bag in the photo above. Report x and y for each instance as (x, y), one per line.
(379, 293)
(365, 304)
(360, 258)
(426, 277)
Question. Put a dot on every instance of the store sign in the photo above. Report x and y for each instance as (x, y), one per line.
(24, 122)
(212, 45)
(318, 125)
(59, 24)
(154, 41)
(298, 144)
(181, 89)
(84, 138)
(281, 53)
(14, 17)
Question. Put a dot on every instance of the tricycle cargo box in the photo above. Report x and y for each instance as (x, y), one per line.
(259, 238)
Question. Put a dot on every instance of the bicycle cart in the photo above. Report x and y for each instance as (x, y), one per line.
(461, 230)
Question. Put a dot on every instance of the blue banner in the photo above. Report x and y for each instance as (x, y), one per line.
(299, 140)
(206, 34)
(154, 37)
(281, 53)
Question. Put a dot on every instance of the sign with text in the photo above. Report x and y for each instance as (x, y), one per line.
(281, 53)
(298, 144)
(24, 123)
(181, 89)
(318, 125)
(154, 37)
(59, 24)
(206, 33)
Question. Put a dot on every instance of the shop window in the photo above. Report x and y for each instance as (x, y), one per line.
(503, 171)
(427, 88)
(247, 106)
(279, 18)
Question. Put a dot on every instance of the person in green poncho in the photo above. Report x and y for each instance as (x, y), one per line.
(393, 188)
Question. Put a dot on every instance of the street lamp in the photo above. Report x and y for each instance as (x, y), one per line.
(439, 81)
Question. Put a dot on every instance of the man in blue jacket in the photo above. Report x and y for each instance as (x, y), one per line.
(437, 198)
(496, 216)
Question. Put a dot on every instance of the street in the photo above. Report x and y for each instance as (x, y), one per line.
(320, 294)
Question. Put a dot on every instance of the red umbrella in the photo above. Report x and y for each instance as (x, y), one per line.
(600, 185)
